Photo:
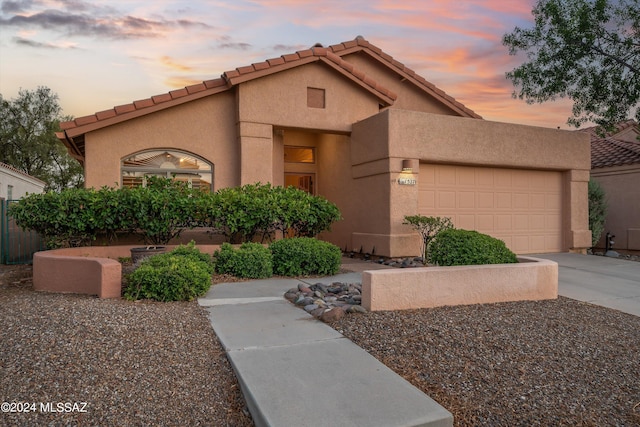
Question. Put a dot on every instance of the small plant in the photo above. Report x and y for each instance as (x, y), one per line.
(597, 211)
(180, 275)
(463, 247)
(304, 256)
(429, 227)
(250, 260)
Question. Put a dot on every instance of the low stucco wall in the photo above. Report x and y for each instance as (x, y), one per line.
(92, 270)
(403, 289)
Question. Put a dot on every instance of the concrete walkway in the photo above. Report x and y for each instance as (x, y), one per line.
(296, 371)
(604, 281)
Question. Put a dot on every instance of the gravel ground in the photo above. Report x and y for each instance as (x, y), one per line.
(557, 362)
(140, 363)
(549, 363)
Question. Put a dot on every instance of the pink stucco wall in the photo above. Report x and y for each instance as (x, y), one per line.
(620, 184)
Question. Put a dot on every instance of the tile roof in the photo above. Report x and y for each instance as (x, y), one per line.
(18, 171)
(608, 150)
(73, 131)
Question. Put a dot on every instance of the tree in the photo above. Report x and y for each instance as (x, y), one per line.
(585, 50)
(28, 141)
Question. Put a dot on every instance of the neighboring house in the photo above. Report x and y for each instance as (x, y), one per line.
(15, 184)
(615, 165)
(351, 123)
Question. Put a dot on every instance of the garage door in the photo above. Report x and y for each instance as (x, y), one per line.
(521, 207)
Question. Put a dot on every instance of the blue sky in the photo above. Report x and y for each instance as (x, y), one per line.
(99, 54)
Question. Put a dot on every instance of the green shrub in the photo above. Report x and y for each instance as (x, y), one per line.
(463, 247)
(429, 227)
(250, 260)
(304, 256)
(597, 211)
(179, 275)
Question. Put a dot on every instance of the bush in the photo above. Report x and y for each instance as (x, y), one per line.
(180, 275)
(250, 260)
(429, 227)
(463, 247)
(304, 256)
(597, 211)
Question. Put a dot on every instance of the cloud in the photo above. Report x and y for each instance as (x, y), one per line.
(170, 63)
(15, 6)
(21, 41)
(92, 21)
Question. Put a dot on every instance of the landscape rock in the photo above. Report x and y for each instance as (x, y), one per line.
(328, 303)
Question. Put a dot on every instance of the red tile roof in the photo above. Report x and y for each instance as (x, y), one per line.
(331, 56)
(608, 151)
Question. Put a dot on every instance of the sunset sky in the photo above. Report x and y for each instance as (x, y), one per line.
(98, 54)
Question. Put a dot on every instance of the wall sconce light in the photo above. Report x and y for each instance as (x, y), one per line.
(406, 166)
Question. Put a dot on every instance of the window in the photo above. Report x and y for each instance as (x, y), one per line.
(178, 165)
(9, 192)
(299, 154)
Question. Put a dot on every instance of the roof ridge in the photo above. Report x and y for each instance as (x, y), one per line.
(14, 169)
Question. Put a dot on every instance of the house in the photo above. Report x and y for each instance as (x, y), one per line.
(15, 184)
(615, 165)
(351, 123)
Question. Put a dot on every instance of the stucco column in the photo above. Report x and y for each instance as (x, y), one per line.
(256, 152)
(578, 235)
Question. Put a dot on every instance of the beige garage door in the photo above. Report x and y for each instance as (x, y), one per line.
(521, 207)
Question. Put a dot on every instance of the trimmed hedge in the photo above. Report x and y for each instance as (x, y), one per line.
(164, 208)
(464, 247)
(180, 275)
(250, 260)
(305, 256)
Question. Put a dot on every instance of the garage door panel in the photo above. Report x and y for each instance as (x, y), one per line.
(521, 207)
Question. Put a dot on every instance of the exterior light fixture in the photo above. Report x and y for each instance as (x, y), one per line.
(406, 166)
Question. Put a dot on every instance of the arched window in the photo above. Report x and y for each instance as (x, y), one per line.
(178, 165)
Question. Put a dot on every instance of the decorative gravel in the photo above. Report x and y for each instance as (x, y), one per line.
(559, 362)
(548, 363)
(132, 363)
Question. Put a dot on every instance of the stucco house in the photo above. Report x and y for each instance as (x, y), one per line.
(351, 123)
(15, 184)
(615, 165)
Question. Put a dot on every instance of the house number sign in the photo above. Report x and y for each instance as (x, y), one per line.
(406, 181)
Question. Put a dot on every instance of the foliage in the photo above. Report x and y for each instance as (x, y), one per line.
(586, 50)
(242, 213)
(597, 211)
(179, 275)
(161, 210)
(28, 141)
(257, 210)
(463, 247)
(63, 219)
(429, 227)
(304, 256)
(250, 260)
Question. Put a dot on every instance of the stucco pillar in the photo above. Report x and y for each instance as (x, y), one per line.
(256, 152)
(578, 235)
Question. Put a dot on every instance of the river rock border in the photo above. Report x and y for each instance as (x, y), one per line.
(328, 303)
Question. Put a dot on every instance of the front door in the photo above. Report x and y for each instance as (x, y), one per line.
(302, 181)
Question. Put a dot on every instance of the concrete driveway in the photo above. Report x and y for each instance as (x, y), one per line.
(604, 281)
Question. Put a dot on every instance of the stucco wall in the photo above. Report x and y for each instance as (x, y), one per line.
(21, 184)
(380, 143)
(409, 96)
(620, 184)
(281, 100)
(205, 127)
